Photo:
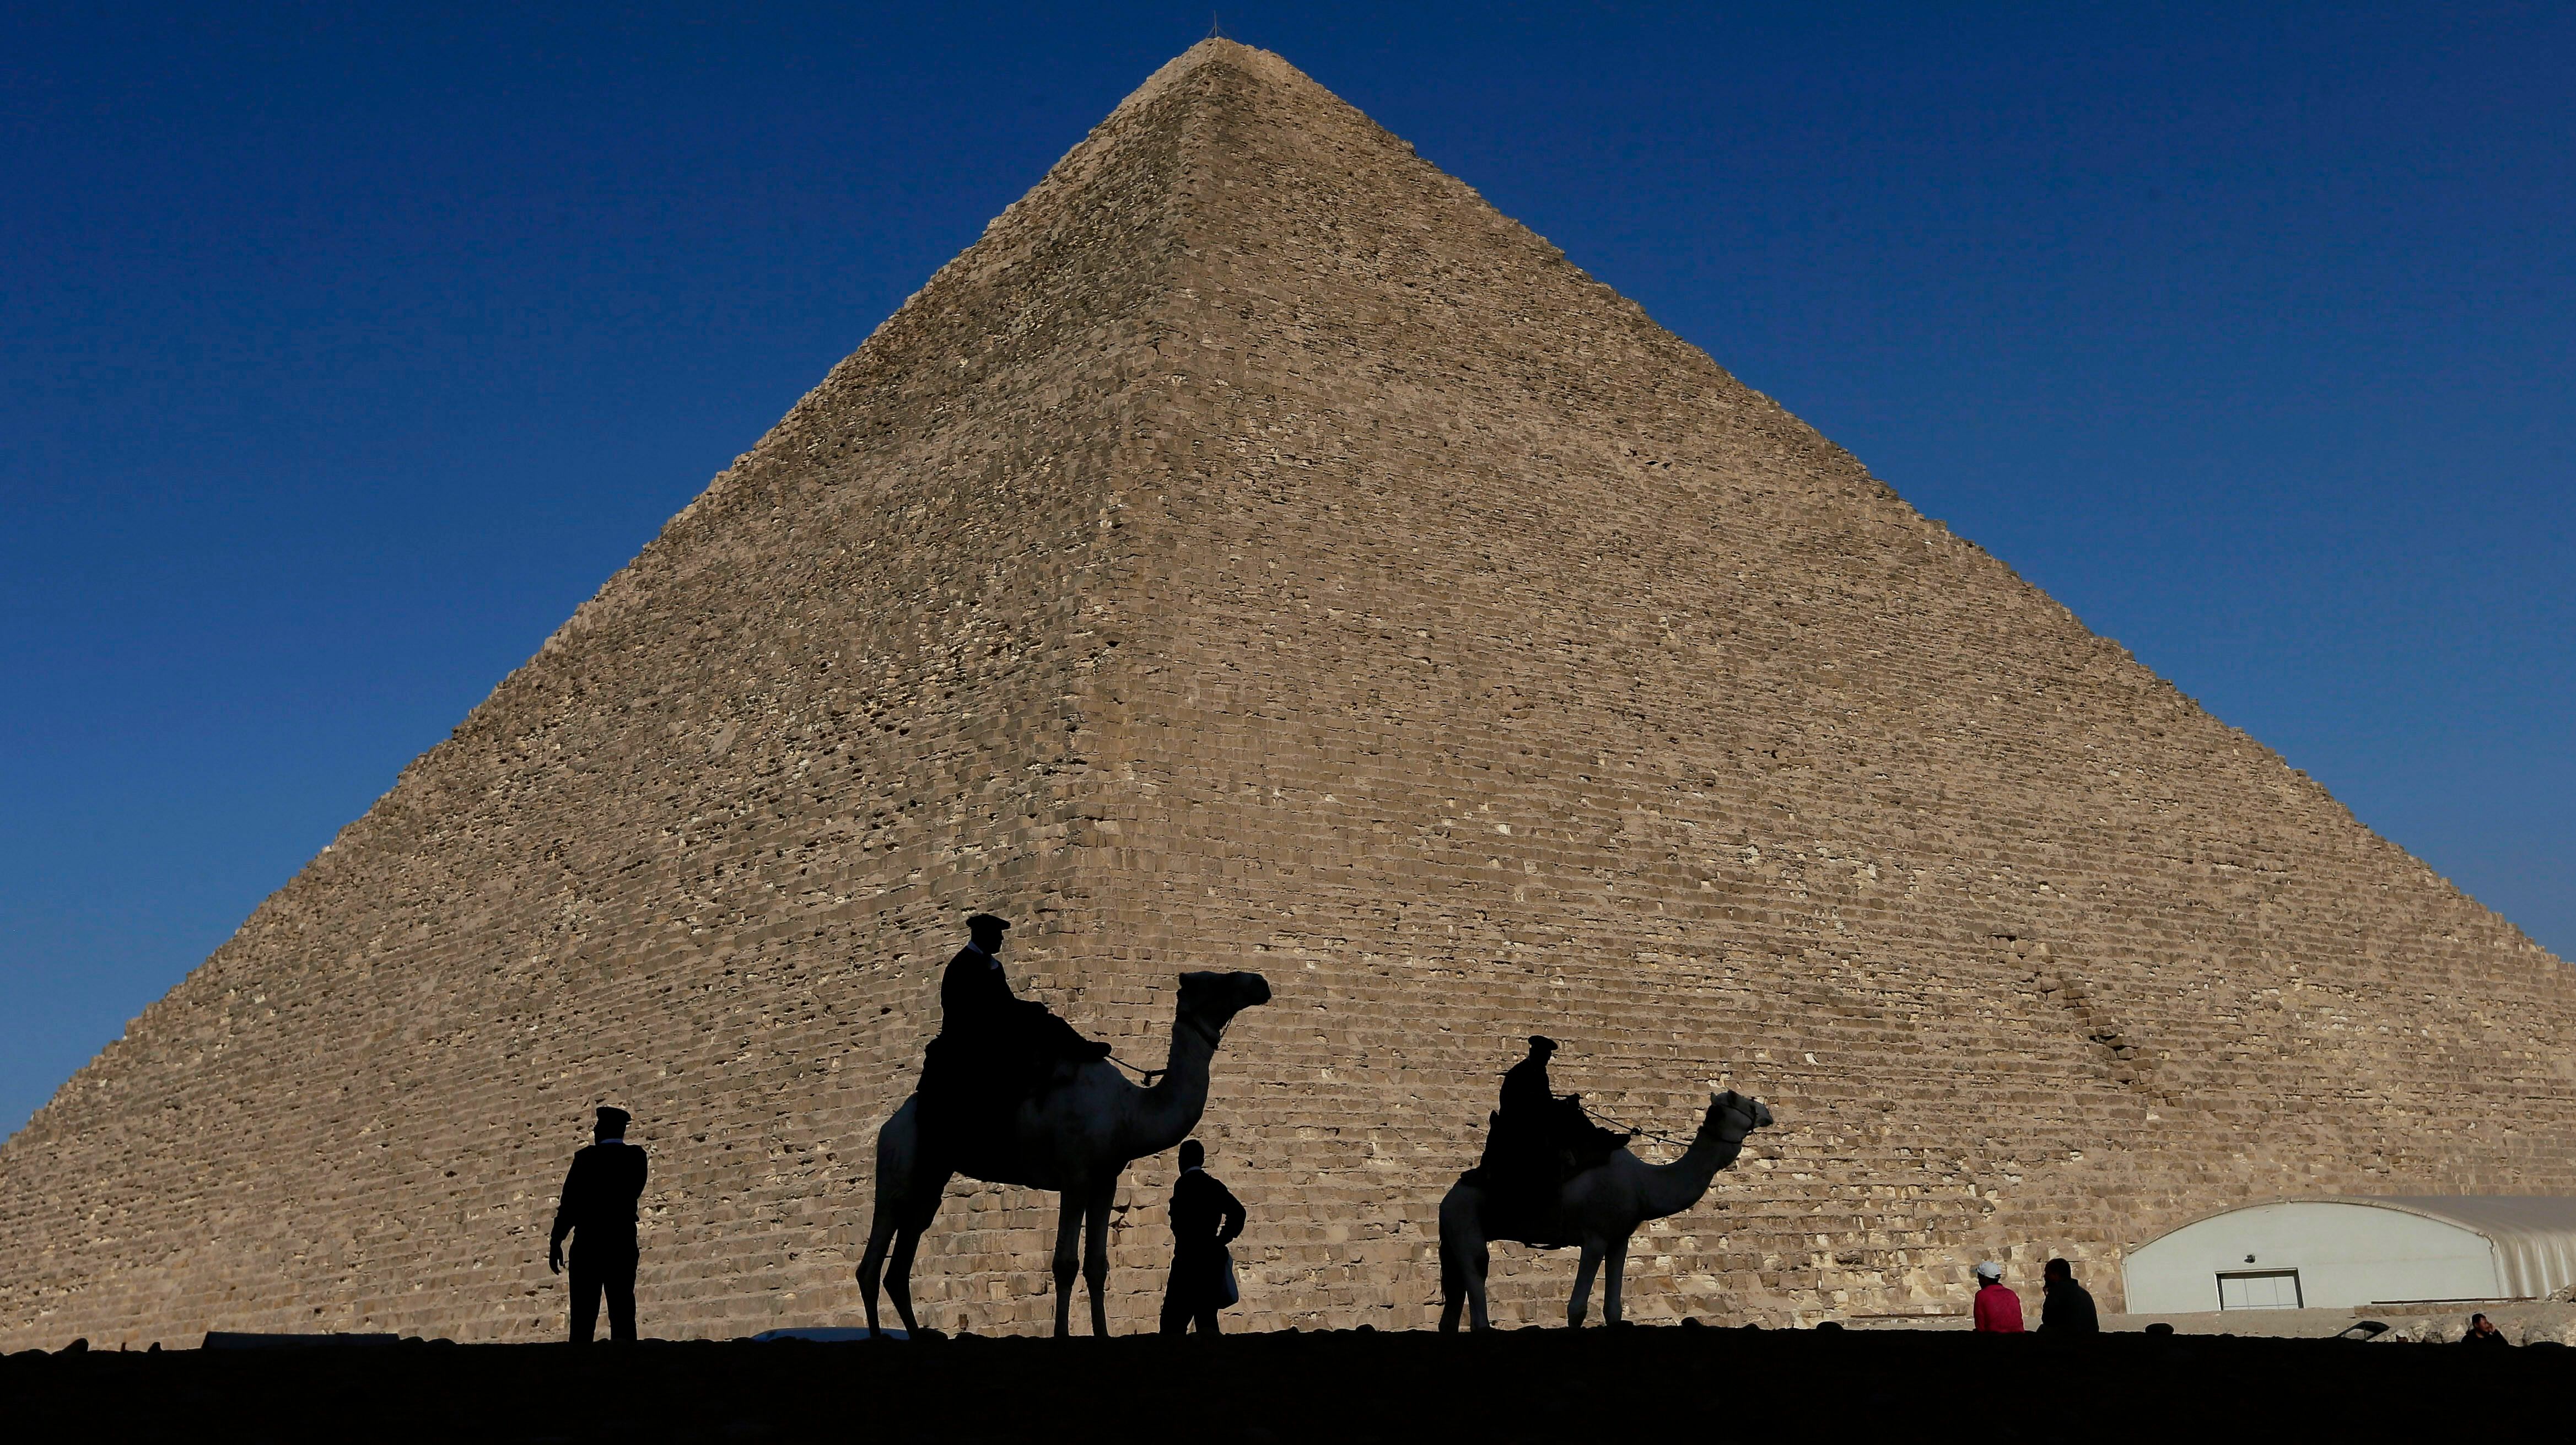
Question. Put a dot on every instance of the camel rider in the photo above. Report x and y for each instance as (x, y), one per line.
(1545, 1124)
(1526, 1092)
(994, 1048)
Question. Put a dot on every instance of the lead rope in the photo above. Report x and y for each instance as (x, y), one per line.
(1148, 1076)
(1143, 1076)
(1640, 1133)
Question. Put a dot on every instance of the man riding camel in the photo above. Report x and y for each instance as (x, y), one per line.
(1530, 1104)
(1539, 1138)
(994, 1048)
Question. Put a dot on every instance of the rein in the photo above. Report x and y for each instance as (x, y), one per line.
(1143, 1076)
(1641, 1133)
(1148, 1076)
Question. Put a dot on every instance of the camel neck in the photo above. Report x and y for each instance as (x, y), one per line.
(1173, 1104)
(1672, 1188)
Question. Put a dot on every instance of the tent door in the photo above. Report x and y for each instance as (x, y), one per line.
(2271, 1289)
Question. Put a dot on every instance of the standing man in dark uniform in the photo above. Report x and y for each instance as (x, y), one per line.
(598, 1208)
(1205, 1219)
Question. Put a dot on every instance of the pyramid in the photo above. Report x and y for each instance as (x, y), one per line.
(1256, 552)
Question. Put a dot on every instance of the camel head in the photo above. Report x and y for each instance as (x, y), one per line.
(1731, 1116)
(1211, 1000)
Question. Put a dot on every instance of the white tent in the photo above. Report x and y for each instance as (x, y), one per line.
(2338, 1252)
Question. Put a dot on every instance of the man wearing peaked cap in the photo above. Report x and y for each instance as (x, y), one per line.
(975, 991)
(1539, 1139)
(994, 1047)
(1526, 1090)
(598, 1211)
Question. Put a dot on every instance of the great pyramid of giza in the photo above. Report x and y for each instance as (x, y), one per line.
(1256, 552)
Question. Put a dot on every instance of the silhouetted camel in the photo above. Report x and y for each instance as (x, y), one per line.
(1075, 1139)
(1597, 1209)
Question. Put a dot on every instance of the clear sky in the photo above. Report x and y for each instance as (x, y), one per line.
(344, 350)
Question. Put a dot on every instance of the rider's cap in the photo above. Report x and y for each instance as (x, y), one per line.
(613, 1119)
(986, 920)
(1543, 1042)
(1990, 1270)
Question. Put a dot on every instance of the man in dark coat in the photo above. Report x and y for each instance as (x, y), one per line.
(598, 1210)
(1205, 1219)
(994, 1047)
(1527, 1096)
(1538, 1125)
(2065, 1308)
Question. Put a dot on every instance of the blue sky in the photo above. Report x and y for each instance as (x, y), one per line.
(344, 351)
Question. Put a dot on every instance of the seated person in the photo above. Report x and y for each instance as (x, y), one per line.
(994, 1048)
(1539, 1140)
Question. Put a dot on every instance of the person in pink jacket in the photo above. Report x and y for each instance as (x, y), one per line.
(1998, 1309)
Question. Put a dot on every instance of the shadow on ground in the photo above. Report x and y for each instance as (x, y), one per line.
(1704, 1385)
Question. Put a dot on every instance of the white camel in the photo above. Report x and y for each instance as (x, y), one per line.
(1597, 1209)
(1074, 1139)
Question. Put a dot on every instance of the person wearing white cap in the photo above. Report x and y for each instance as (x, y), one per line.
(1998, 1310)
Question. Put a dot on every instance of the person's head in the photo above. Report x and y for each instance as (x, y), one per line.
(1541, 1046)
(986, 931)
(2480, 1324)
(1193, 1154)
(611, 1125)
(1988, 1273)
(2058, 1271)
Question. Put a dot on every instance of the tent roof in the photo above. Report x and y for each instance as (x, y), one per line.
(2534, 1235)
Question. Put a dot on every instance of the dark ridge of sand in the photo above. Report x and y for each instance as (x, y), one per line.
(1694, 1385)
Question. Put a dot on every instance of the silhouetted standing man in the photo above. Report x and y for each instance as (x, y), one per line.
(598, 1209)
(1205, 1219)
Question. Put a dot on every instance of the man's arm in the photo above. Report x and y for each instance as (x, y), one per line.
(563, 1216)
(1232, 1213)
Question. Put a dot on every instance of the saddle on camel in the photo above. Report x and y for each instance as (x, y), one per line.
(1536, 1142)
(994, 1049)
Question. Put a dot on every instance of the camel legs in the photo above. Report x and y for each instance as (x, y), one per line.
(907, 1195)
(1593, 1249)
(1615, 1267)
(903, 1220)
(1095, 1254)
(872, 1265)
(1068, 1227)
(1464, 1258)
(902, 1223)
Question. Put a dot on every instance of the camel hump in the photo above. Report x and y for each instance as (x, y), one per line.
(974, 1081)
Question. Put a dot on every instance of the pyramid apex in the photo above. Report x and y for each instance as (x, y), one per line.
(1216, 50)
